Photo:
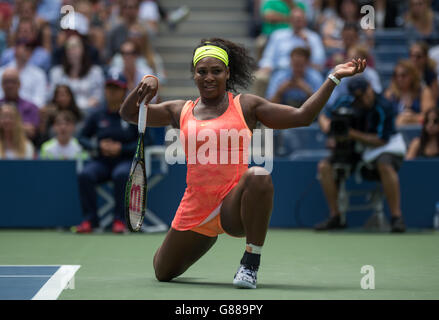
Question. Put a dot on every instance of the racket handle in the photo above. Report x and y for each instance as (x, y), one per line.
(141, 124)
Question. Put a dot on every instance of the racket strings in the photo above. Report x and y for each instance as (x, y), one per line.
(137, 197)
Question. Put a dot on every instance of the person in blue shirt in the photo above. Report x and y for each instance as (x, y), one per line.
(295, 85)
(371, 125)
(112, 142)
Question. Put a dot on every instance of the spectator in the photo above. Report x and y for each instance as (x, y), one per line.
(27, 10)
(419, 57)
(372, 127)
(33, 81)
(5, 24)
(63, 100)
(49, 10)
(131, 64)
(64, 145)
(129, 13)
(27, 31)
(276, 56)
(422, 22)
(84, 78)
(28, 111)
(113, 141)
(347, 12)
(324, 10)
(427, 145)
(298, 83)
(13, 141)
(96, 31)
(350, 38)
(149, 16)
(433, 54)
(275, 15)
(410, 98)
(146, 51)
(371, 75)
(387, 13)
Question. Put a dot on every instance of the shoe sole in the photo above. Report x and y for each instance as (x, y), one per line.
(243, 284)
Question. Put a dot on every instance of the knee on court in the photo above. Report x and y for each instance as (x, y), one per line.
(161, 274)
(259, 179)
(162, 277)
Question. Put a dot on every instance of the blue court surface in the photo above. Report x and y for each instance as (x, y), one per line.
(35, 282)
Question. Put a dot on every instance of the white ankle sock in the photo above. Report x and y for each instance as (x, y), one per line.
(251, 248)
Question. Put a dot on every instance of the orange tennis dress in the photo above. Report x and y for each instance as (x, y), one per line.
(216, 156)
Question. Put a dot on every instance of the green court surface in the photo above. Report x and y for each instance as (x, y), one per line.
(296, 264)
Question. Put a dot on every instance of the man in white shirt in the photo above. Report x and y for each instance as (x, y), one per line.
(33, 80)
(276, 56)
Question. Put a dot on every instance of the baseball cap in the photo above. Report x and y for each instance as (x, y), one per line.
(357, 86)
(116, 78)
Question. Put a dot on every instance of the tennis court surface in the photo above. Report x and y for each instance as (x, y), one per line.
(296, 264)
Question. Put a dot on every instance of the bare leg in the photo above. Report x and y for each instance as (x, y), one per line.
(390, 181)
(327, 181)
(178, 252)
(246, 210)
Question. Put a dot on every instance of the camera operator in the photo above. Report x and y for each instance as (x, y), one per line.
(363, 139)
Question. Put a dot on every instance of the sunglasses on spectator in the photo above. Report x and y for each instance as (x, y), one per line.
(416, 55)
(400, 74)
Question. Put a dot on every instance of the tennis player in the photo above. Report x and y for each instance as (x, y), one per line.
(222, 197)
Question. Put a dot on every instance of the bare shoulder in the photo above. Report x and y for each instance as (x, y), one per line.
(250, 100)
(174, 107)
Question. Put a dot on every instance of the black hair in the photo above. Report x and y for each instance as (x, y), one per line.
(241, 64)
(73, 107)
(425, 137)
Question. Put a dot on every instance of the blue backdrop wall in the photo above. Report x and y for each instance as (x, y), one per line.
(45, 194)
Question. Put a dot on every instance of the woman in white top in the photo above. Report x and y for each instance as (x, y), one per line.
(13, 141)
(85, 79)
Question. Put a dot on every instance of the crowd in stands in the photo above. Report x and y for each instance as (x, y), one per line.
(56, 59)
(53, 75)
(299, 42)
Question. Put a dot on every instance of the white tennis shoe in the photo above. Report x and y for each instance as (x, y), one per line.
(245, 277)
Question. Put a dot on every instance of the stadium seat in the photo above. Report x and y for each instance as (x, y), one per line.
(291, 141)
(369, 196)
(385, 37)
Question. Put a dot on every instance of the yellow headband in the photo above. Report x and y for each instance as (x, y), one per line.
(211, 51)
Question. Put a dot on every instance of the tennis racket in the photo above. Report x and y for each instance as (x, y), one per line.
(135, 191)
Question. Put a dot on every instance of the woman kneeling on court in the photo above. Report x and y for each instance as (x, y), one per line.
(222, 194)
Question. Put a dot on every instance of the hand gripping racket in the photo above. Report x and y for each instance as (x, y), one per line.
(135, 191)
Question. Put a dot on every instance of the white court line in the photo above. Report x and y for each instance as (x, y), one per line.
(23, 276)
(64, 277)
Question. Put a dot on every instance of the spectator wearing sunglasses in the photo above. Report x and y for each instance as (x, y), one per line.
(419, 57)
(411, 99)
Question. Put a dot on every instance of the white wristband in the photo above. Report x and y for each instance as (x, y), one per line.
(333, 78)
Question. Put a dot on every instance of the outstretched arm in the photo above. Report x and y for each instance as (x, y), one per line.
(278, 116)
